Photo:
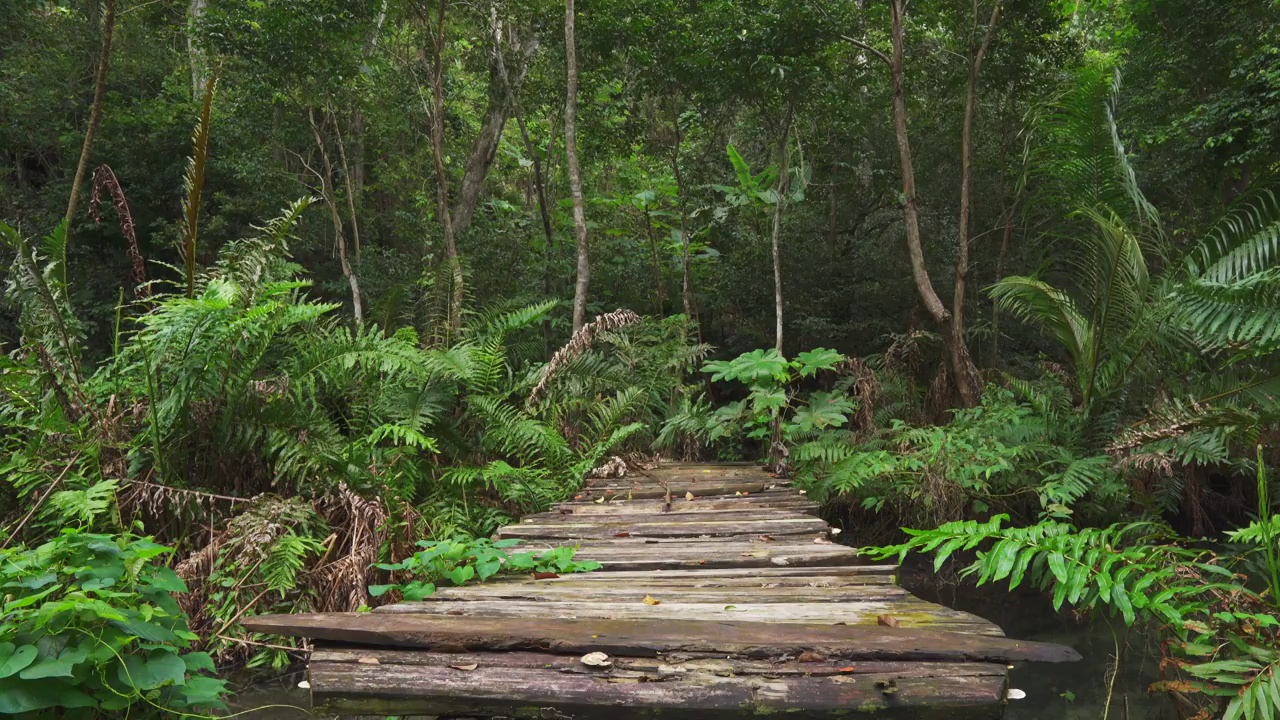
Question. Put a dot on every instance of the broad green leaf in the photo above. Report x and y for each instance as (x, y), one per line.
(154, 670)
(15, 658)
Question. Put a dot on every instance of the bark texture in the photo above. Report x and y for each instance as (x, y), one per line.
(95, 118)
(575, 174)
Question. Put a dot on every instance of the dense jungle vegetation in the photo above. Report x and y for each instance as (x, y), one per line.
(304, 298)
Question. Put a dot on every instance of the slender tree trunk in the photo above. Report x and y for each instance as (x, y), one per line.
(967, 383)
(326, 189)
(95, 118)
(957, 352)
(660, 284)
(686, 291)
(442, 178)
(485, 148)
(575, 174)
(195, 10)
(910, 215)
(539, 183)
(784, 161)
(349, 182)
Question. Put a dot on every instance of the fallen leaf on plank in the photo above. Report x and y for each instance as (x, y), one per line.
(688, 495)
(809, 656)
(650, 600)
(544, 575)
(368, 661)
(888, 621)
(468, 667)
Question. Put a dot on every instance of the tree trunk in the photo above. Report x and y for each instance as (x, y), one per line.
(910, 216)
(686, 291)
(442, 178)
(485, 148)
(575, 174)
(659, 281)
(349, 182)
(957, 351)
(539, 183)
(968, 384)
(95, 118)
(195, 10)
(326, 189)
(784, 161)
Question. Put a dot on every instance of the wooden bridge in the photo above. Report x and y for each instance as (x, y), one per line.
(721, 595)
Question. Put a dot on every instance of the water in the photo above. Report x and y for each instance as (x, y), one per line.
(1070, 691)
(1073, 691)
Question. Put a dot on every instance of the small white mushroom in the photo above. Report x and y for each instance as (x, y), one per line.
(596, 659)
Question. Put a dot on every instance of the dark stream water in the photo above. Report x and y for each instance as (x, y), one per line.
(1076, 691)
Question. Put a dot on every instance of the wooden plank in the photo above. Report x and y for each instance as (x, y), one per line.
(621, 514)
(542, 693)
(709, 488)
(763, 575)
(656, 667)
(910, 613)
(636, 592)
(794, 503)
(674, 556)
(649, 638)
(710, 528)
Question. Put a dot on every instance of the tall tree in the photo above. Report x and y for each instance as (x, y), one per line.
(95, 118)
(779, 204)
(968, 385)
(575, 173)
(436, 42)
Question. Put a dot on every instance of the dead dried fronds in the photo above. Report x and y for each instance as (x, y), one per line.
(582, 341)
(866, 388)
(105, 178)
(615, 467)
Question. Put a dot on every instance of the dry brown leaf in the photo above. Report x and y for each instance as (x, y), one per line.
(368, 661)
(468, 667)
(624, 533)
(809, 656)
(544, 575)
(688, 495)
(888, 621)
(845, 669)
(651, 600)
(766, 538)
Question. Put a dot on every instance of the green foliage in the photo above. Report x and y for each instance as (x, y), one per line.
(1003, 453)
(461, 560)
(89, 627)
(1222, 635)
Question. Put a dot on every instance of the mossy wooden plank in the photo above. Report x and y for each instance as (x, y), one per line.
(673, 528)
(732, 575)
(540, 693)
(653, 637)
(636, 592)
(655, 667)
(909, 612)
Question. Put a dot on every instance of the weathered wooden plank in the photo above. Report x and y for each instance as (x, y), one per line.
(674, 556)
(655, 667)
(769, 498)
(763, 575)
(704, 489)
(621, 514)
(909, 612)
(710, 528)
(540, 693)
(649, 638)
(631, 592)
